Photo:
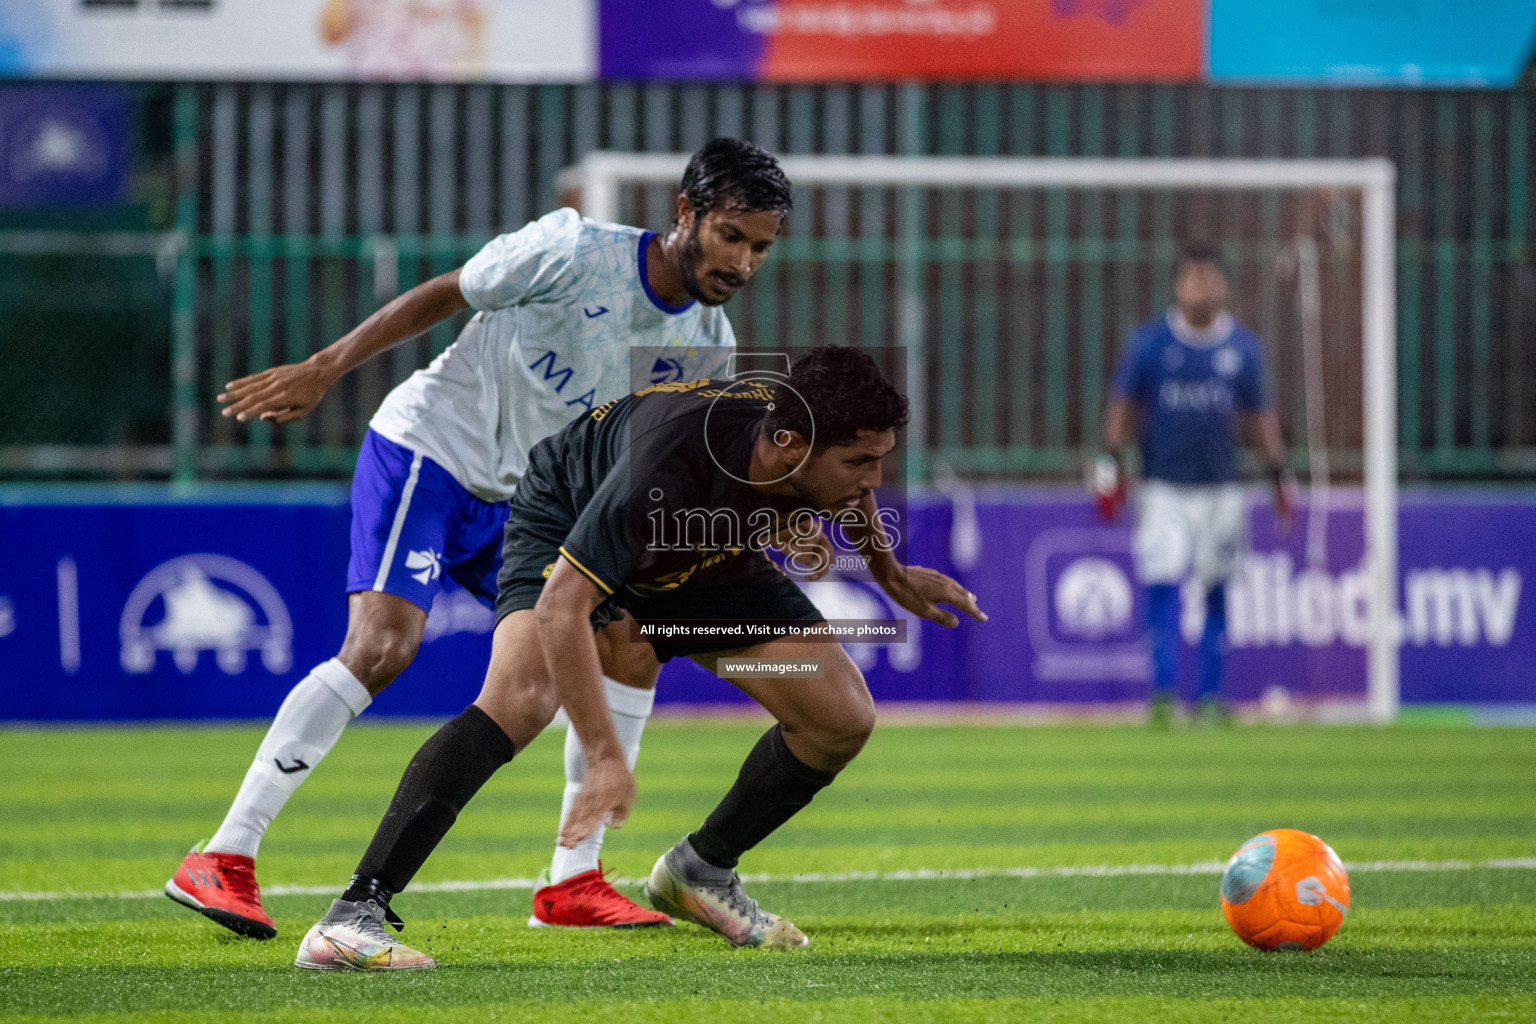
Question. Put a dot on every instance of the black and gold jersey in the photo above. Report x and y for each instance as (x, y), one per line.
(656, 488)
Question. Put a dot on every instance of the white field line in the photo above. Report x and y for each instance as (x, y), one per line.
(1208, 867)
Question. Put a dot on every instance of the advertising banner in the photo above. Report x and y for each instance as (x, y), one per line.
(448, 40)
(1369, 41)
(63, 144)
(1423, 42)
(142, 608)
(1061, 586)
(853, 40)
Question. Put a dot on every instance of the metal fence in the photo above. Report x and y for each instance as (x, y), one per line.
(299, 208)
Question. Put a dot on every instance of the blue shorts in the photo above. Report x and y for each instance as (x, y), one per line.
(412, 523)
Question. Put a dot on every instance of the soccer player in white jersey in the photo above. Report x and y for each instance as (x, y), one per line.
(560, 304)
(1187, 381)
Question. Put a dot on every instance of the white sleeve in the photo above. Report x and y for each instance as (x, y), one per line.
(526, 265)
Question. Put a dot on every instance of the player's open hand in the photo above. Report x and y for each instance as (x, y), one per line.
(921, 591)
(281, 394)
(606, 796)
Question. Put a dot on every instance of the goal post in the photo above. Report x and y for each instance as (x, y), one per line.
(601, 178)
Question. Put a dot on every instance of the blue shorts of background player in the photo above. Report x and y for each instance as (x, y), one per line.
(413, 524)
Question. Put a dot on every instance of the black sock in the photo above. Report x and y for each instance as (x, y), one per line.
(447, 770)
(772, 787)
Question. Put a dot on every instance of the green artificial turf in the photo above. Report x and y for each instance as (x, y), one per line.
(112, 810)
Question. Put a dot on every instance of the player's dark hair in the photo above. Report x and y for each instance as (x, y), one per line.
(1198, 252)
(841, 391)
(730, 174)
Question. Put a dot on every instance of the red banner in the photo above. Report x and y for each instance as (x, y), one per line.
(1095, 40)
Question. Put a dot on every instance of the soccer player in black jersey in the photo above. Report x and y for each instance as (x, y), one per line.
(661, 504)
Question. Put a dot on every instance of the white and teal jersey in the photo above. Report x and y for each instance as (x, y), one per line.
(561, 303)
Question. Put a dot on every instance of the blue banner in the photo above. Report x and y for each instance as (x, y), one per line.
(159, 609)
(1424, 42)
(132, 605)
(63, 144)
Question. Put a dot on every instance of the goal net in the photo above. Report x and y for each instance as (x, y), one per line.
(1010, 286)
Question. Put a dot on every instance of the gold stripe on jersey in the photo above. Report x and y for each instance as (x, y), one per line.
(588, 573)
(676, 386)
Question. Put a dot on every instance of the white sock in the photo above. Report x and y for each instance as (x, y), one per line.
(630, 708)
(307, 726)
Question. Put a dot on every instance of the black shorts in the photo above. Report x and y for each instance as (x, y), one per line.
(748, 588)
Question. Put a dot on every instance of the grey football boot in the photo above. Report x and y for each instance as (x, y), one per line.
(351, 937)
(684, 885)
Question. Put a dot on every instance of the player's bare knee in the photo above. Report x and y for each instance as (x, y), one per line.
(631, 662)
(833, 737)
(376, 657)
(523, 704)
(383, 634)
(543, 703)
(850, 725)
(850, 732)
(521, 698)
(641, 674)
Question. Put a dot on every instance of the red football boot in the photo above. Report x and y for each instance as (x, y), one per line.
(222, 887)
(588, 901)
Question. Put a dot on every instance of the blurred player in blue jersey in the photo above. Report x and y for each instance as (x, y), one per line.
(1187, 382)
(559, 306)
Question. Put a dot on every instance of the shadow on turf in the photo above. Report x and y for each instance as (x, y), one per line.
(749, 975)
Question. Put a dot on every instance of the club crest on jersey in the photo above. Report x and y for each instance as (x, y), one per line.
(1227, 361)
(665, 371)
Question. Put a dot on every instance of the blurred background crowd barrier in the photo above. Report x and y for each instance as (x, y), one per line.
(249, 224)
(192, 190)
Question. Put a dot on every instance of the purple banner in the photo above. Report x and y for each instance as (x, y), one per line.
(1067, 615)
(896, 40)
(131, 605)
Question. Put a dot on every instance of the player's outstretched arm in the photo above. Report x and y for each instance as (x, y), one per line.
(570, 651)
(286, 393)
(917, 589)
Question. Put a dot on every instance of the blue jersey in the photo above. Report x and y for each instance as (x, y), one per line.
(1189, 386)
